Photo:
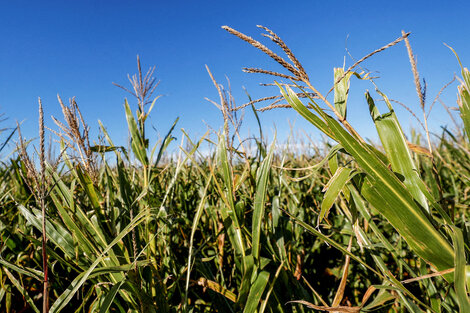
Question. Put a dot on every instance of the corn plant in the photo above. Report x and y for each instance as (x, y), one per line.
(387, 181)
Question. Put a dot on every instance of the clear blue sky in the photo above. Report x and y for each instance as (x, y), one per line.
(78, 48)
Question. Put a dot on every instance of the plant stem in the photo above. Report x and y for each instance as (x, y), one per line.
(42, 193)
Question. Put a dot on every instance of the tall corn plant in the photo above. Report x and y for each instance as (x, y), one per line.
(389, 182)
(142, 89)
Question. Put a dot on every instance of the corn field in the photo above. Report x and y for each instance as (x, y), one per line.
(343, 226)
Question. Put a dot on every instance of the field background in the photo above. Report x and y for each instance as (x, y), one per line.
(360, 205)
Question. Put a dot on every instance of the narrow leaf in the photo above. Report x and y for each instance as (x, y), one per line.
(333, 188)
(260, 200)
(341, 90)
(460, 271)
(257, 290)
(396, 148)
(110, 297)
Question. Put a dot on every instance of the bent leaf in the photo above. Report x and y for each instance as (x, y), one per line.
(333, 188)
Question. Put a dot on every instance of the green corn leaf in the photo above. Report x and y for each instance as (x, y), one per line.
(333, 162)
(110, 141)
(333, 188)
(270, 288)
(341, 90)
(257, 290)
(228, 211)
(166, 141)
(260, 200)
(3, 291)
(464, 96)
(151, 107)
(410, 306)
(248, 267)
(62, 190)
(108, 301)
(295, 102)
(20, 288)
(396, 148)
(87, 185)
(221, 290)
(5, 142)
(460, 275)
(65, 156)
(137, 143)
(195, 224)
(103, 148)
(465, 72)
(31, 272)
(379, 301)
(278, 229)
(464, 107)
(410, 222)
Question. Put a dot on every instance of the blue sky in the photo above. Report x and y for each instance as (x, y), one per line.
(78, 48)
